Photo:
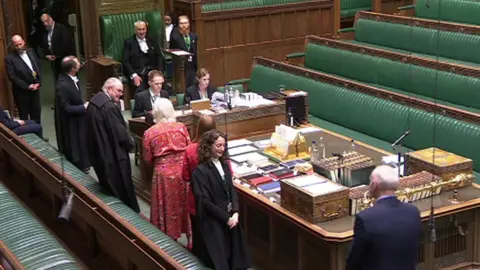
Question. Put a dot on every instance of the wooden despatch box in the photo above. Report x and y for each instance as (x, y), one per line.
(444, 164)
(314, 198)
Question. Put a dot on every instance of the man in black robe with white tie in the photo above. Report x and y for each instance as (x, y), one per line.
(109, 143)
(70, 111)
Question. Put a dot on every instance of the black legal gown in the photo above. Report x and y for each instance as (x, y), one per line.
(225, 248)
(109, 143)
(70, 122)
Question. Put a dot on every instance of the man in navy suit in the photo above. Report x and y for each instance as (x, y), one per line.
(20, 127)
(387, 235)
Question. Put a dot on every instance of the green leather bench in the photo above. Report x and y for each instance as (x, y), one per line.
(176, 251)
(370, 119)
(230, 5)
(456, 47)
(348, 8)
(32, 245)
(459, 11)
(455, 90)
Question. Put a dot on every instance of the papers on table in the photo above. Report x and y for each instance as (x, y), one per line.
(241, 150)
(323, 188)
(236, 143)
(263, 144)
(308, 129)
(245, 157)
(307, 180)
(178, 52)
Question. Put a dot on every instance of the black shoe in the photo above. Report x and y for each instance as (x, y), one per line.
(86, 170)
(46, 139)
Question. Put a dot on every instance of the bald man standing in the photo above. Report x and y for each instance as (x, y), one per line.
(57, 43)
(23, 70)
(140, 55)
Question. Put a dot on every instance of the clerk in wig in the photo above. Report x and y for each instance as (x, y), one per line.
(217, 206)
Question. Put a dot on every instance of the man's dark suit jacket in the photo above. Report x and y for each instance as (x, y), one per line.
(61, 45)
(143, 102)
(19, 73)
(177, 41)
(387, 236)
(133, 61)
(193, 93)
(7, 121)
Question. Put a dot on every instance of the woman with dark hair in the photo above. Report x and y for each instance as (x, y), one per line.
(190, 162)
(202, 89)
(217, 207)
(170, 24)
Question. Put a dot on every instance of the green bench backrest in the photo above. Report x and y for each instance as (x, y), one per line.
(118, 27)
(176, 251)
(446, 86)
(230, 5)
(28, 240)
(460, 11)
(452, 45)
(349, 8)
(374, 116)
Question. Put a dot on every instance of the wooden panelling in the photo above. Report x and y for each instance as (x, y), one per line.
(128, 6)
(228, 40)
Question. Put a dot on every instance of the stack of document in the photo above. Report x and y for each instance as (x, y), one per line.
(237, 143)
(241, 150)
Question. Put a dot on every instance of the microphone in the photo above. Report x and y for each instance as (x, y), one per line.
(404, 135)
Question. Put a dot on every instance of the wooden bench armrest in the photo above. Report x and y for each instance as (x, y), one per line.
(406, 7)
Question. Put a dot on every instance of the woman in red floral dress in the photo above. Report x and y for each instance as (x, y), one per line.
(164, 147)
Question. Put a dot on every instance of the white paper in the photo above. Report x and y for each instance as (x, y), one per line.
(241, 150)
(236, 143)
(244, 157)
(323, 188)
(304, 181)
(308, 129)
(179, 52)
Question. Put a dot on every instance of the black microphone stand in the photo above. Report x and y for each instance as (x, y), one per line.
(399, 143)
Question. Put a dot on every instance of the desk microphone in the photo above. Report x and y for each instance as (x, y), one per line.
(404, 135)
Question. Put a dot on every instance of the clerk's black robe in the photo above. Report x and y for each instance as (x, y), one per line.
(109, 144)
(70, 122)
(225, 247)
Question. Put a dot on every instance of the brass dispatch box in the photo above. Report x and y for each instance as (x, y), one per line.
(314, 198)
(444, 164)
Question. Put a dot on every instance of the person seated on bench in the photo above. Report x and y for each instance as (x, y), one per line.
(20, 127)
(202, 88)
(144, 100)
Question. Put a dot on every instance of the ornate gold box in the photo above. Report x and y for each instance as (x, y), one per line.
(439, 162)
(315, 201)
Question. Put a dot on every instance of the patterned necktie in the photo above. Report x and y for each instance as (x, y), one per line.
(187, 41)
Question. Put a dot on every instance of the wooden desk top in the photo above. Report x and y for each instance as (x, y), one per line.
(341, 230)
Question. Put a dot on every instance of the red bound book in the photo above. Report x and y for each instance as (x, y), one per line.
(260, 180)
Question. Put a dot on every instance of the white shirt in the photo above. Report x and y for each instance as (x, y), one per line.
(219, 167)
(152, 96)
(75, 80)
(143, 44)
(49, 36)
(26, 59)
(168, 31)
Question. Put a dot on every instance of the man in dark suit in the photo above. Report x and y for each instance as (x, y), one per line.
(19, 127)
(144, 100)
(387, 235)
(70, 111)
(182, 39)
(140, 55)
(57, 43)
(23, 70)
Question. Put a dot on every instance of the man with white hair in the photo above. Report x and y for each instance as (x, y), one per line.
(387, 235)
(140, 55)
(109, 143)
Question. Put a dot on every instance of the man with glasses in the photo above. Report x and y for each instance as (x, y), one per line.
(109, 143)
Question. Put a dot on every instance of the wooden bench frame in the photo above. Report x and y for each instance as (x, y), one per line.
(122, 238)
(10, 257)
(370, 90)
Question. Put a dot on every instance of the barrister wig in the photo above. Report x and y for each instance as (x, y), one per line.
(205, 146)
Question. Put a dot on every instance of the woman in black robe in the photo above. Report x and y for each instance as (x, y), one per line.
(217, 207)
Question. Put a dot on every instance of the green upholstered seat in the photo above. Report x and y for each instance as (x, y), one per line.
(348, 8)
(171, 247)
(418, 40)
(448, 88)
(235, 87)
(180, 99)
(375, 117)
(231, 5)
(459, 11)
(28, 240)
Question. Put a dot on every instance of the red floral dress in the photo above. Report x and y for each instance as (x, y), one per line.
(164, 145)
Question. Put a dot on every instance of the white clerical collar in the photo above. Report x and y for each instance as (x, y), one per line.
(140, 39)
(74, 78)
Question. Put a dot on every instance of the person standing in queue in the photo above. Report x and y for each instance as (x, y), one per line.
(109, 143)
(218, 207)
(190, 162)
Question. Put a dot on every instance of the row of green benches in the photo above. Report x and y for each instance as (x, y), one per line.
(459, 11)
(176, 251)
(32, 245)
(368, 118)
(396, 75)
